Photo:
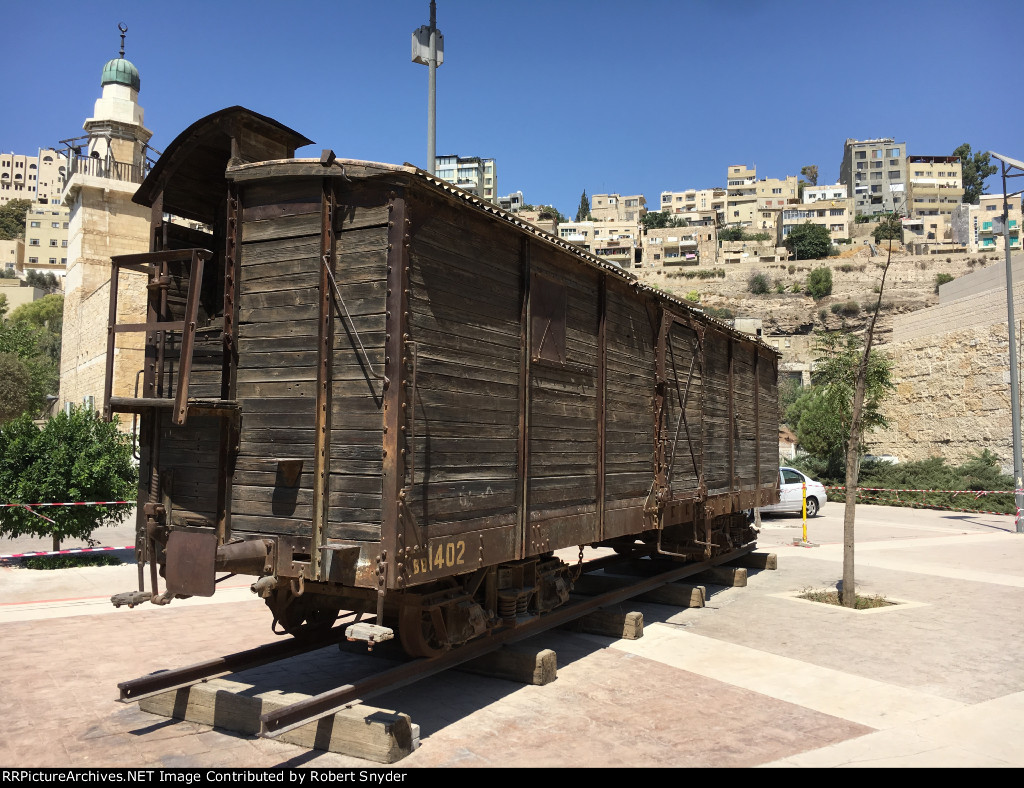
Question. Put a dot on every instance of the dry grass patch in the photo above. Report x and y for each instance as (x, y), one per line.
(832, 598)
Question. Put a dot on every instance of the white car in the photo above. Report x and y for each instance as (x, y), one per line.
(791, 482)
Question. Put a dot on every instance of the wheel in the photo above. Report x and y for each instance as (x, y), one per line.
(812, 506)
(418, 634)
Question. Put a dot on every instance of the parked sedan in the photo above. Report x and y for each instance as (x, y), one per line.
(791, 482)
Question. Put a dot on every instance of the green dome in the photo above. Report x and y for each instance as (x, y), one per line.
(121, 72)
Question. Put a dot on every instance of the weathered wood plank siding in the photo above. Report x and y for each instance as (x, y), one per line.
(464, 328)
(189, 457)
(684, 445)
(563, 401)
(278, 312)
(629, 393)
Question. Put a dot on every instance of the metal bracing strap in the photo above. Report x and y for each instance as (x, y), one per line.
(339, 304)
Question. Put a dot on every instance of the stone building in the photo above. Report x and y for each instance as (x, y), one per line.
(106, 168)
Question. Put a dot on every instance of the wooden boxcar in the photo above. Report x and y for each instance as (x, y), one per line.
(375, 392)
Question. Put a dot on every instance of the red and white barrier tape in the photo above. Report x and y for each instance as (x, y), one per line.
(71, 551)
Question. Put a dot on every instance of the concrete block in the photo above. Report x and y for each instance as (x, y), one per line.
(517, 662)
(757, 561)
(360, 731)
(615, 621)
(723, 576)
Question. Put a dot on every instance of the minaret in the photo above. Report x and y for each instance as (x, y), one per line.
(105, 170)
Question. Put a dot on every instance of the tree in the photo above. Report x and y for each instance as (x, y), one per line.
(860, 415)
(889, 229)
(32, 333)
(15, 386)
(819, 283)
(975, 170)
(47, 282)
(809, 241)
(75, 457)
(12, 219)
(810, 172)
(583, 212)
(821, 415)
(555, 213)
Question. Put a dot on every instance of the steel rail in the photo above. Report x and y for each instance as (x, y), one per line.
(164, 681)
(287, 718)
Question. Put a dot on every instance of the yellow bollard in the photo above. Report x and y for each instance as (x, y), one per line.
(803, 507)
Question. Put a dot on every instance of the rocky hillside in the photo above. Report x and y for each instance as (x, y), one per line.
(856, 274)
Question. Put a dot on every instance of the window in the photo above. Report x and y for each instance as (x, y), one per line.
(64, 244)
(33, 224)
(893, 152)
(53, 261)
(33, 242)
(860, 154)
(54, 224)
(876, 154)
(53, 242)
(894, 175)
(33, 260)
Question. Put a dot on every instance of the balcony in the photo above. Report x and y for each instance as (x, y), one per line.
(104, 168)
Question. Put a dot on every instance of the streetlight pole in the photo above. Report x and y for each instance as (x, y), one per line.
(428, 50)
(1008, 164)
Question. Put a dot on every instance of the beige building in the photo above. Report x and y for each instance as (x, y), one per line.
(701, 201)
(615, 208)
(935, 185)
(618, 242)
(833, 213)
(105, 171)
(46, 240)
(18, 293)
(696, 244)
(38, 178)
(12, 254)
(741, 196)
(545, 220)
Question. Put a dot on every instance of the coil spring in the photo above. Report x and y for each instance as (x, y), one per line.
(507, 607)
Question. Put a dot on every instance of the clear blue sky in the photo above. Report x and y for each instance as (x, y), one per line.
(566, 95)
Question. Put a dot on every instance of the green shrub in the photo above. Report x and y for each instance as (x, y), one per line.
(819, 283)
(941, 279)
(693, 297)
(757, 283)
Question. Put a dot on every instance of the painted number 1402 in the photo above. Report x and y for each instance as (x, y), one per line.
(445, 555)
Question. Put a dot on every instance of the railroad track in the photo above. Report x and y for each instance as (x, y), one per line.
(276, 723)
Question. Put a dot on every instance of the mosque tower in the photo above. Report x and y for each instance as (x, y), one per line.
(104, 171)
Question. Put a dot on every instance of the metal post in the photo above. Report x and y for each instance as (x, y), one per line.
(432, 92)
(1018, 476)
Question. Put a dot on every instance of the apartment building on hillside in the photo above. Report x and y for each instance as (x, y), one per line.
(741, 196)
(616, 208)
(979, 226)
(38, 178)
(616, 241)
(876, 173)
(473, 174)
(695, 201)
(695, 244)
(46, 240)
(935, 185)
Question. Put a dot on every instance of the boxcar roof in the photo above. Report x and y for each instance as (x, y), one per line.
(354, 168)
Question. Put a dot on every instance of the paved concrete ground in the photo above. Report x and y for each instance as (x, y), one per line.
(757, 678)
